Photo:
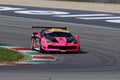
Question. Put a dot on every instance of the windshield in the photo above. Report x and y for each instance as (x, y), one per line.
(58, 34)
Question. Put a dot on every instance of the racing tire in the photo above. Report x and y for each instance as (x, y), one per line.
(41, 50)
(32, 43)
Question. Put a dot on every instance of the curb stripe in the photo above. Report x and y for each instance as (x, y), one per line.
(27, 51)
(34, 57)
(9, 47)
(21, 48)
(43, 57)
(43, 60)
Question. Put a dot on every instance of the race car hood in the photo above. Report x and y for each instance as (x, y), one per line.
(63, 39)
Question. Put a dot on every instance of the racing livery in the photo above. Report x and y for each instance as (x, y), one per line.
(54, 39)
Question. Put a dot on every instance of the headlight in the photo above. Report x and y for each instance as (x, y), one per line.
(54, 40)
(74, 41)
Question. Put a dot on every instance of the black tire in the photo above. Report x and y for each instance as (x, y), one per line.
(41, 50)
(32, 43)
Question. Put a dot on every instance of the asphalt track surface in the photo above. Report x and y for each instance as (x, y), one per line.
(100, 58)
(102, 19)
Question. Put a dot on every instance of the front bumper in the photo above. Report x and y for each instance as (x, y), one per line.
(62, 48)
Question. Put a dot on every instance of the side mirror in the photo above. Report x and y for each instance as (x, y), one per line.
(77, 36)
(38, 35)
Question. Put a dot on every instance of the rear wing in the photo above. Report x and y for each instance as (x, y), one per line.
(48, 27)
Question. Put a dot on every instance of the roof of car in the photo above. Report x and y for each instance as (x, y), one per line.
(56, 30)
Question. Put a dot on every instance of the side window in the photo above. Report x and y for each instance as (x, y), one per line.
(42, 33)
(46, 35)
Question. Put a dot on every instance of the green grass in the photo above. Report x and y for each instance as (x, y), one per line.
(7, 55)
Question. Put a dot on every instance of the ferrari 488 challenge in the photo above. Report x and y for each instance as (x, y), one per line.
(54, 39)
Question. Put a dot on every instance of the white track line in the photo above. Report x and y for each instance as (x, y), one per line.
(83, 15)
(97, 18)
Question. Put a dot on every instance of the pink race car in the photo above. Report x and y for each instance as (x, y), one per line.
(55, 39)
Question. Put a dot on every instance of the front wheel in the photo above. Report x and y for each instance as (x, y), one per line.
(33, 43)
(41, 50)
